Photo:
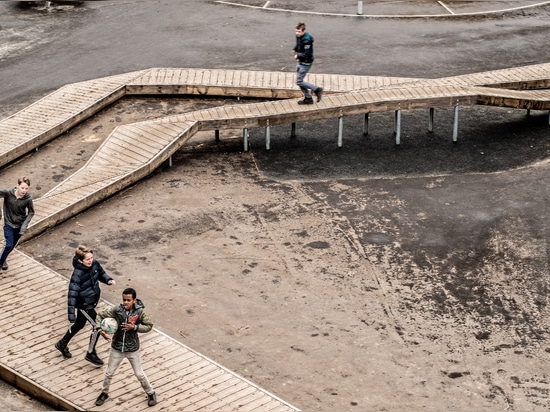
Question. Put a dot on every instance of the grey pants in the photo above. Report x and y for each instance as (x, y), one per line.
(115, 358)
(305, 87)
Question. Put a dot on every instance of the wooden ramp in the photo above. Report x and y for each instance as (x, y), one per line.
(33, 303)
(184, 378)
(58, 112)
(133, 151)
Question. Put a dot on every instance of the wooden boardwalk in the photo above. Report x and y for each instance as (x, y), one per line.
(33, 303)
(185, 379)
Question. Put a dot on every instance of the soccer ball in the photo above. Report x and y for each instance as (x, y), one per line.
(109, 325)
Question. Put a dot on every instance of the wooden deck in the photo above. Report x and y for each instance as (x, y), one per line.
(33, 300)
(183, 377)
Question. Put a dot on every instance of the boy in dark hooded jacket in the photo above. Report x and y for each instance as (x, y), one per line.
(303, 53)
(83, 297)
(131, 320)
(18, 212)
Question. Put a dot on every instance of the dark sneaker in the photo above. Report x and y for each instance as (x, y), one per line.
(63, 349)
(92, 357)
(319, 93)
(101, 399)
(306, 101)
(152, 399)
(5, 266)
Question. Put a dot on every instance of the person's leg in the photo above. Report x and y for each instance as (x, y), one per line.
(76, 327)
(11, 237)
(135, 361)
(61, 345)
(115, 357)
(305, 87)
(95, 330)
(91, 355)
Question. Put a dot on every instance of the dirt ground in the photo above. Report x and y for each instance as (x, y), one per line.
(371, 277)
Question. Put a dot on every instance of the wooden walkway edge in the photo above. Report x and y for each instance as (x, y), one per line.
(33, 302)
(133, 151)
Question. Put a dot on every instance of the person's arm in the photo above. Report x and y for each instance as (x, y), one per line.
(2, 195)
(145, 323)
(104, 277)
(107, 313)
(30, 214)
(74, 290)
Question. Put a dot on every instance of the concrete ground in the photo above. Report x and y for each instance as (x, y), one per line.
(366, 278)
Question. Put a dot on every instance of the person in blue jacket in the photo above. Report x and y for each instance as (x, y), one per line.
(303, 52)
(83, 297)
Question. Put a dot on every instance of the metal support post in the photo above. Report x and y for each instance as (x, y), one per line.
(359, 7)
(340, 129)
(528, 112)
(293, 130)
(170, 161)
(398, 127)
(431, 121)
(245, 138)
(268, 136)
(366, 125)
(217, 135)
(455, 125)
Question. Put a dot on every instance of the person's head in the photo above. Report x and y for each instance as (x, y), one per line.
(300, 29)
(84, 255)
(23, 184)
(128, 298)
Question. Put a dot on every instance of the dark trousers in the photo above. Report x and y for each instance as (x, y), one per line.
(11, 237)
(83, 316)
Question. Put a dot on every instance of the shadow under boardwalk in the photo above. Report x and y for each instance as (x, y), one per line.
(33, 298)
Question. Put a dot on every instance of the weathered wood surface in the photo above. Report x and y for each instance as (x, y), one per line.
(33, 317)
(133, 151)
(56, 113)
(59, 111)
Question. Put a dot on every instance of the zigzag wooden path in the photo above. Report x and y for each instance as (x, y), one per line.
(133, 151)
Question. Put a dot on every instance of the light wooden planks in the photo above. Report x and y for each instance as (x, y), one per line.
(133, 151)
(34, 298)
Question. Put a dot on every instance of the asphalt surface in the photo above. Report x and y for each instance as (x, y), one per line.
(43, 49)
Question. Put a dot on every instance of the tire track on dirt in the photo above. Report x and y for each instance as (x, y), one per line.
(342, 225)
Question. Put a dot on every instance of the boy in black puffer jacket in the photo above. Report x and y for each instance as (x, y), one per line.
(83, 297)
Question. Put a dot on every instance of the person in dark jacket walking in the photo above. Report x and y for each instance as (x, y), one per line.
(303, 52)
(18, 212)
(83, 297)
(131, 320)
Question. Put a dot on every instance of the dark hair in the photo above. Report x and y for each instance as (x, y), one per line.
(301, 26)
(24, 179)
(129, 291)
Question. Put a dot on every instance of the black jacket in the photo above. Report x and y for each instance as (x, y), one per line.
(84, 289)
(304, 48)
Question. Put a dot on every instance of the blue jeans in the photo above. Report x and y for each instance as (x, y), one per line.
(11, 237)
(301, 71)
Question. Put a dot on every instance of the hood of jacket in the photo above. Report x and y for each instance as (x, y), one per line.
(24, 197)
